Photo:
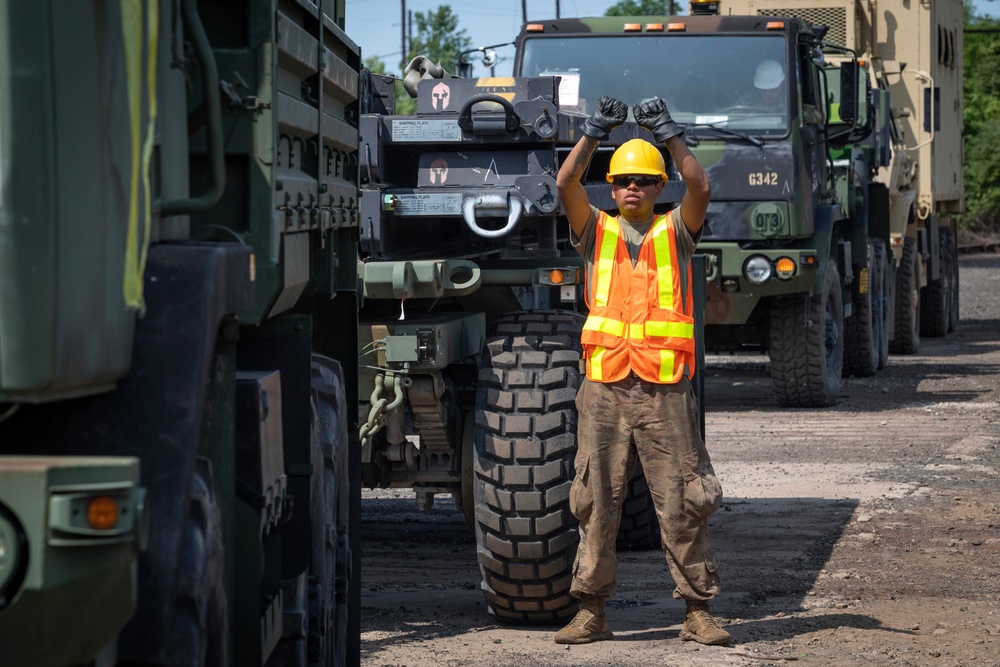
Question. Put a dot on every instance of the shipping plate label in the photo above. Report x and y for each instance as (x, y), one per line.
(426, 129)
(429, 204)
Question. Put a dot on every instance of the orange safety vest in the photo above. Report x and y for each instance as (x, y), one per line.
(639, 319)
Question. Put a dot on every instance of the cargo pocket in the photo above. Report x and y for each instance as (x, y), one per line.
(702, 495)
(581, 496)
(580, 400)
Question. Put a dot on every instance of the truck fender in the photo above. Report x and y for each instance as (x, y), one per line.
(827, 217)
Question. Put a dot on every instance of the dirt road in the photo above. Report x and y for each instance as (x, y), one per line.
(866, 534)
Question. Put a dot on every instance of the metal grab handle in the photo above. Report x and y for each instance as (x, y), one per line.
(511, 120)
(496, 202)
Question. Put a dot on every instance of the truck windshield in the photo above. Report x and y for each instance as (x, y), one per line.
(732, 81)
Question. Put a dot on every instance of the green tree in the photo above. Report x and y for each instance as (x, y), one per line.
(438, 38)
(375, 65)
(981, 82)
(644, 8)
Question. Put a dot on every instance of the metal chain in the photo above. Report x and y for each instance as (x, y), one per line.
(380, 405)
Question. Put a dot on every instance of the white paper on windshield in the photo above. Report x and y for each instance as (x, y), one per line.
(569, 87)
(711, 120)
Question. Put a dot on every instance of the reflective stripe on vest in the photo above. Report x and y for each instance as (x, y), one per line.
(629, 327)
(605, 258)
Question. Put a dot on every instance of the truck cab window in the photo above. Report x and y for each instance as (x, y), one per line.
(737, 81)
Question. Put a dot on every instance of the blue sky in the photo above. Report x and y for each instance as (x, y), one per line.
(486, 23)
(376, 25)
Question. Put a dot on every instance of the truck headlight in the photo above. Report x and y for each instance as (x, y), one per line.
(758, 270)
(13, 556)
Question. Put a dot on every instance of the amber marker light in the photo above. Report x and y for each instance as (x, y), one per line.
(785, 268)
(556, 276)
(654, 27)
(775, 25)
(676, 27)
(632, 27)
(102, 513)
(534, 27)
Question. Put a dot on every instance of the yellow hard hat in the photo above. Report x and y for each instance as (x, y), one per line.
(637, 156)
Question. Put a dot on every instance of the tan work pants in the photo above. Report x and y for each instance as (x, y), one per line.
(659, 423)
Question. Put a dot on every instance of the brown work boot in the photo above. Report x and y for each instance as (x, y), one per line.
(702, 627)
(589, 624)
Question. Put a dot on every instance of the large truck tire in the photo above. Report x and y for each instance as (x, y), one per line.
(330, 572)
(939, 311)
(807, 345)
(861, 329)
(950, 242)
(885, 302)
(639, 529)
(318, 595)
(525, 442)
(906, 332)
(199, 634)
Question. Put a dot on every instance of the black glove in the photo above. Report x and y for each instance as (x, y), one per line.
(652, 114)
(609, 114)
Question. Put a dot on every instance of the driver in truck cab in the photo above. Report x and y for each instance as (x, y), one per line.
(768, 92)
(637, 401)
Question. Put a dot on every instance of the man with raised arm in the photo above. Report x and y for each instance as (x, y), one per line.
(638, 341)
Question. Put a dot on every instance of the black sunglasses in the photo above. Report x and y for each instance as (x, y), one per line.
(640, 181)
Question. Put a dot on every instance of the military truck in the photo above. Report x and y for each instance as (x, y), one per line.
(913, 50)
(786, 230)
(178, 320)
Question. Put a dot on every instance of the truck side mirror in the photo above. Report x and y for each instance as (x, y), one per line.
(848, 92)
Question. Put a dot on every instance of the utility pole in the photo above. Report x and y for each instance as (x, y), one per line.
(402, 36)
(557, 8)
(524, 11)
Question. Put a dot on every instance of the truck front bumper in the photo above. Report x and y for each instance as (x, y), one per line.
(732, 296)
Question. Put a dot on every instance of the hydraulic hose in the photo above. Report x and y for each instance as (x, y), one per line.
(213, 113)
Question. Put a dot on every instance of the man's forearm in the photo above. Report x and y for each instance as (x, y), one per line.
(691, 171)
(575, 166)
(571, 191)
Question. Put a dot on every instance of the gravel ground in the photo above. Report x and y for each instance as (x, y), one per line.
(865, 534)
